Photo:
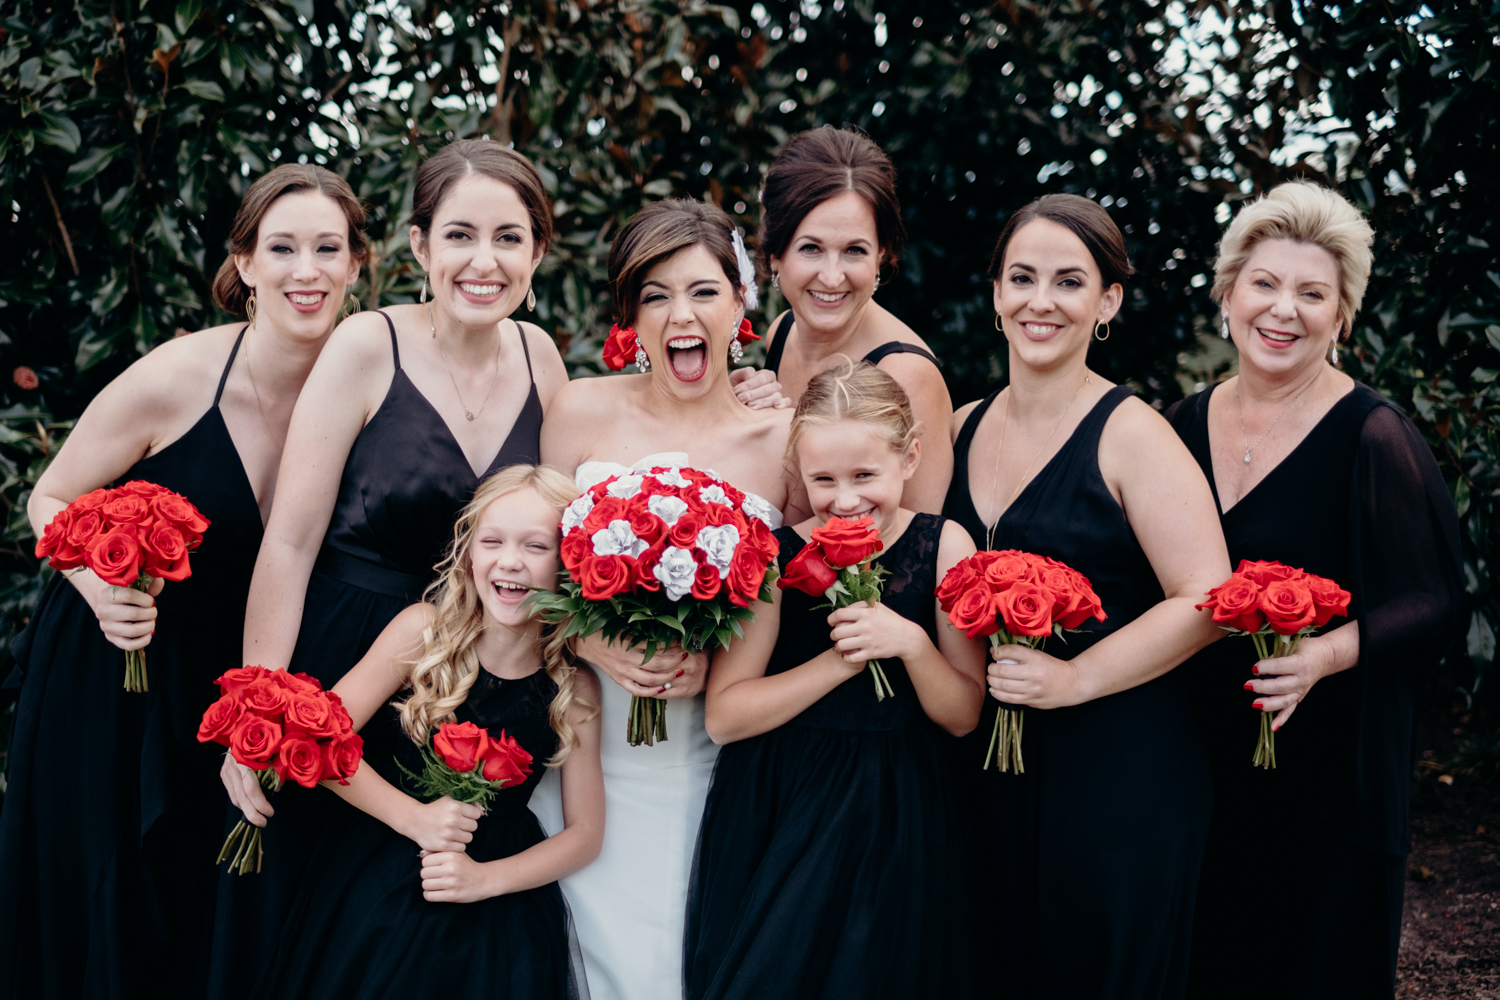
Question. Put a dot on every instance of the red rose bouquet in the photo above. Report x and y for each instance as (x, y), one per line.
(467, 764)
(286, 727)
(1276, 606)
(128, 536)
(673, 555)
(836, 564)
(1015, 598)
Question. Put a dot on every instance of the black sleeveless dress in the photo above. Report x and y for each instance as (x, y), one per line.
(1374, 515)
(113, 808)
(403, 485)
(832, 860)
(1095, 849)
(778, 346)
(360, 929)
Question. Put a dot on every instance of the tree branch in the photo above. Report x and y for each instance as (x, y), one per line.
(57, 214)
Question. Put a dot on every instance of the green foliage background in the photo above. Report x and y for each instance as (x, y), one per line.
(131, 128)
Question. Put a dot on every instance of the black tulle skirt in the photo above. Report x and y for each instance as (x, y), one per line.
(834, 864)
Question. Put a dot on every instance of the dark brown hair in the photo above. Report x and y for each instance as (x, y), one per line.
(440, 171)
(820, 164)
(1083, 219)
(228, 290)
(657, 232)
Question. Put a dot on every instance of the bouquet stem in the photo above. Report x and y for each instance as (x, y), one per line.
(1265, 747)
(646, 722)
(882, 685)
(135, 659)
(1270, 647)
(1005, 742)
(242, 848)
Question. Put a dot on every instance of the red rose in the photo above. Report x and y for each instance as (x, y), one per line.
(176, 509)
(264, 697)
(56, 541)
(1065, 596)
(1328, 598)
(297, 683)
(460, 745)
(25, 378)
(684, 533)
(1088, 603)
(506, 761)
(973, 612)
(606, 509)
(653, 487)
(1026, 609)
(1236, 604)
(603, 577)
(1008, 567)
(83, 528)
(126, 508)
(957, 580)
(141, 488)
(341, 756)
(240, 677)
(706, 582)
(576, 547)
(645, 568)
(716, 515)
(339, 712)
(746, 575)
(300, 760)
(762, 539)
(92, 500)
(1288, 606)
(848, 543)
(254, 741)
(809, 572)
(647, 526)
(220, 720)
(309, 714)
(166, 552)
(1263, 573)
(116, 557)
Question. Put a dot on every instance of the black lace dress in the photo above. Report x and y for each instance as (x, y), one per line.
(831, 860)
(403, 484)
(1372, 513)
(113, 808)
(360, 929)
(1094, 850)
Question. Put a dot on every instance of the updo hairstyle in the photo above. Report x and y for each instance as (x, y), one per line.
(457, 160)
(855, 391)
(656, 233)
(1085, 220)
(229, 291)
(1305, 213)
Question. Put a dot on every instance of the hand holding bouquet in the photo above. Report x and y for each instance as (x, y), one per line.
(285, 726)
(673, 556)
(1015, 598)
(129, 536)
(836, 564)
(467, 764)
(1276, 606)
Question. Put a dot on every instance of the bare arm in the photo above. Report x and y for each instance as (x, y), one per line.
(933, 409)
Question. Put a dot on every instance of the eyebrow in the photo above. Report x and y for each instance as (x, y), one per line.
(469, 225)
(1062, 270)
(701, 281)
(816, 238)
(1304, 284)
(292, 236)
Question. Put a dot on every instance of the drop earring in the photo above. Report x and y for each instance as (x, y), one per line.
(642, 359)
(531, 299)
(1333, 353)
(736, 352)
(250, 308)
(997, 324)
(1096, 331)
(423, 299)
(776, 280)
(350, 307)
(1224, 329)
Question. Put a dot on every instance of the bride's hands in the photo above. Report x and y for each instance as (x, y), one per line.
(671, 673)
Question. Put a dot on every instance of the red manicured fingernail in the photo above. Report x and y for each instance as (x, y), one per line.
(1249, 685)
(1256, 704)
(1255, 671)
(679, 673)
(660, 690)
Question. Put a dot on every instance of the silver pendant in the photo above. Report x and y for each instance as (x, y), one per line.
(1247, 456)
(470, 416)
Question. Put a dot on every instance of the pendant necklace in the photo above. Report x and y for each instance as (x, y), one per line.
(1240, 404)
(989, 535)
(469, 415)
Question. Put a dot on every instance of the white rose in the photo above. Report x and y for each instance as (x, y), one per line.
(576, 512)
(671, 477)
(718, 544)
(669, 509)
(754, 506)
(625, 487)
(617, 540)
(714, 494)
(676, 569)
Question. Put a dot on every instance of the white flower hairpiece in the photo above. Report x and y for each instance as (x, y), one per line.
(747, 270)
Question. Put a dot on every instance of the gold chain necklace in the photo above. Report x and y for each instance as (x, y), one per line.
(469, 415)
(989, 535)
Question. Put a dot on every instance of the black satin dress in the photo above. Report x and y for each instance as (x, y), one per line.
(832, 861)
(113, 808)
(1359, 500)
(403, 485)
(1095, 849)
(360, 929)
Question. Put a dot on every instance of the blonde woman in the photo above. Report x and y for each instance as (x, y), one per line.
(1312, 469)
(408, 898)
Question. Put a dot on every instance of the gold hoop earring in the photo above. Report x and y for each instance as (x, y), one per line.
(250, 308)
(1096, 331)
(423, 299)
(350, 307)
(997, 324)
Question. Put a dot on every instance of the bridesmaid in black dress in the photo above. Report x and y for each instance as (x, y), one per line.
(1317, 471)
(1094, 849)
(478, 912)
(409, 409)
(834, 859)
(112, 815)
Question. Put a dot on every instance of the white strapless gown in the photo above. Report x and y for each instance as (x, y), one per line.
(629, 906)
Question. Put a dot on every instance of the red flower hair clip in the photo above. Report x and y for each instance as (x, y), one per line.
(746, 332)
(620, 348)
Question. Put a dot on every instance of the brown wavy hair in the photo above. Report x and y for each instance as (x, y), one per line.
(457, 160)
(656, 233)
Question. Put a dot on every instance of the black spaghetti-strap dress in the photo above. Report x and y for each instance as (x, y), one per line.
(403, 485)
(784, 329)
(1095, 849)
(360, 929)
(113, 808)
(833, 860)
(1373, 514)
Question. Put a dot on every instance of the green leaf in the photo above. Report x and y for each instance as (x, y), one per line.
(59, 131)
(206, 89)
(187, 12)
(89, 167)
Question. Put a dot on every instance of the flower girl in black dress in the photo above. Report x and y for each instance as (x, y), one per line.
(477, 911)
(831, 861)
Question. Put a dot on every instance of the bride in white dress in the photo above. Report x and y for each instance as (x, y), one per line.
(676, 278)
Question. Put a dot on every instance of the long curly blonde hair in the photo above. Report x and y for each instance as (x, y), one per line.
(448, 666)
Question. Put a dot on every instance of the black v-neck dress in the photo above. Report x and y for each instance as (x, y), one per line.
(113, 809)
(403, 485)
(1094, 850)
(1360, 500)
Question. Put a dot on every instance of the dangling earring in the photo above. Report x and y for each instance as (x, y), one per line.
(642, 359)
(997, 324)
(1224, 329)
(250, 308)
(1096, 331)
(423, 299)
(531, 299)
(736, 352)
(351, 306)
(1333, 353)
(776, 280)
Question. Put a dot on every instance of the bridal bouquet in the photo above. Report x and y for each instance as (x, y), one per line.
(657, 558)
(1276, 606)
(128, 536)
(836, 564)
(467, 764)
(285, 726)
(1015, 598)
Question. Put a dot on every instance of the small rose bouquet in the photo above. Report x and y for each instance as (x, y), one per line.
(285, 726)
(673, 555)
(1277, 606)
(467, 764)
(836, 564)
(1015, 598)
(129, 536)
